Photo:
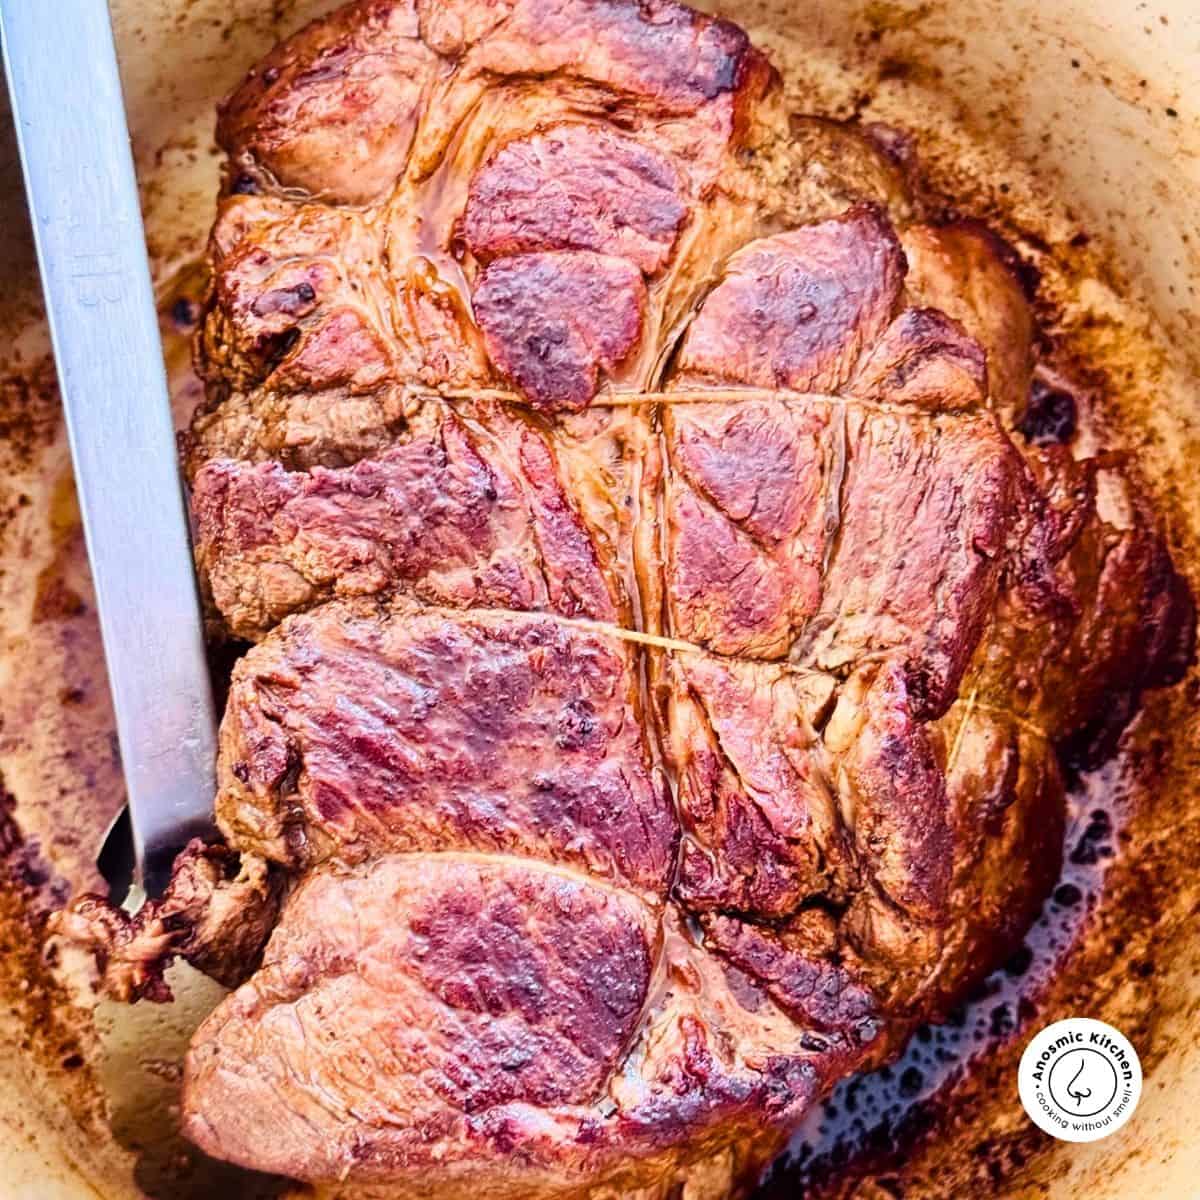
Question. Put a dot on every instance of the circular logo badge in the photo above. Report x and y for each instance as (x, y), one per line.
(1080, 1079)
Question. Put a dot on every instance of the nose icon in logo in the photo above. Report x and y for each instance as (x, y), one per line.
(1083, 1082)
(1077, 1093)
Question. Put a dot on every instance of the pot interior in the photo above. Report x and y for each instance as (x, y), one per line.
(1077, 133)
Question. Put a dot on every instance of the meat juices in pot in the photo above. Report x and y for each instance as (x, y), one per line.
(669, 613)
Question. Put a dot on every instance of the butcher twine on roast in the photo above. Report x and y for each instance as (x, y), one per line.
(666, 641)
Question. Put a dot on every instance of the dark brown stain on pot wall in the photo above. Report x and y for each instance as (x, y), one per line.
(56, 1033)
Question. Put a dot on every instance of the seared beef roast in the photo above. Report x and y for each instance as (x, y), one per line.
(667, 644)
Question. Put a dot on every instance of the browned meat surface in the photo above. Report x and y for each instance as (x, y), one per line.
(360, 729)
(216, 912)
(446, 121)
(466, 511)
(553, 322)
(795, 310)
(335, 111)
(576, 187)
(780, 814)
(811, 555)
(966, 271)
(492, 985)
(506, 994)
(674, 609)
(1100, 617)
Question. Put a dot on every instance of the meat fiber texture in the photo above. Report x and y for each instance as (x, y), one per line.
(666, 644)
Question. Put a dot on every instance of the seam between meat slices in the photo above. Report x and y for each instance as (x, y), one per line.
(677, 646)
(836, 503)
(727, 395)
(502, 858)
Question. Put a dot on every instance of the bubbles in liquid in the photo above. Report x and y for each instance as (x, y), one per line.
(871, 1116)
